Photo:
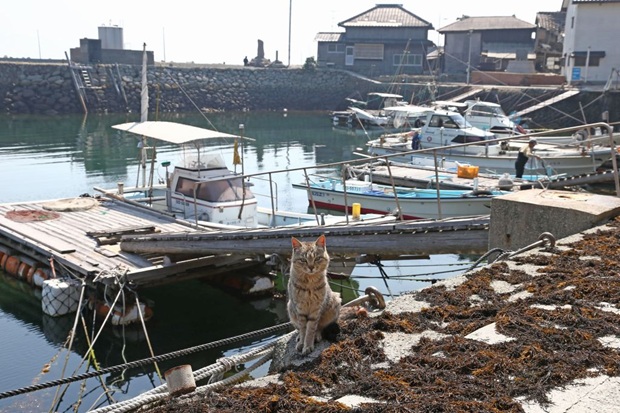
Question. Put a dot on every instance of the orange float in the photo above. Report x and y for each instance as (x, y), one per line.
(5, 253)
(11, 265)
(27, 265)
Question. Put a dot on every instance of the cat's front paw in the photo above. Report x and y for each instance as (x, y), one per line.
(307, 350)
(300, 345)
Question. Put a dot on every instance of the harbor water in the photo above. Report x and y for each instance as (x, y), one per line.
(56, 157)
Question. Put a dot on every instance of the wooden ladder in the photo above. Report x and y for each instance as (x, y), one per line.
(85, 78)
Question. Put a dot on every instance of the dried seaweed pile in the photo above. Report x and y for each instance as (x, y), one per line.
(556, 328)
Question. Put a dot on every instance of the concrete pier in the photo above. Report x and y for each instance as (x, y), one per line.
(515, 217)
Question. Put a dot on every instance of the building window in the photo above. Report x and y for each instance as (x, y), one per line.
(366, 51)
(335, 48)
(594, 58)
(581, 61)
(407, 59)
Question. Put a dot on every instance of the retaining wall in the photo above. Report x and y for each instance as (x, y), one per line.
(48, 89)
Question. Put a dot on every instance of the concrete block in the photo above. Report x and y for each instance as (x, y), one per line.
(518, 219)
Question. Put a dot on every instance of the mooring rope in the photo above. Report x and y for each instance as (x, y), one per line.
(221, 366)
(149, 360)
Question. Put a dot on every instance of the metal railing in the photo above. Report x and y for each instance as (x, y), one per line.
(434, 152)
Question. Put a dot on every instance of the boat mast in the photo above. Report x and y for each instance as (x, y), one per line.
(144, 114)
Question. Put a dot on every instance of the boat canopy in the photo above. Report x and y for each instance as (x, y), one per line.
(173, 132)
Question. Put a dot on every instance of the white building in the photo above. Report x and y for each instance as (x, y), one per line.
(591, 33)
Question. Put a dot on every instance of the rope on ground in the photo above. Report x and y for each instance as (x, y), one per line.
(221, 366)
(149, 360)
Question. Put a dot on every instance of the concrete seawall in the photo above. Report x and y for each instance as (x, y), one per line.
(48, 89)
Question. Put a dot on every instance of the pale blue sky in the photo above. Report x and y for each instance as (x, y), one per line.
(215, 31)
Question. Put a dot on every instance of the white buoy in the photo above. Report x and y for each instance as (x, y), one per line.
(60, 297)
(180, 380)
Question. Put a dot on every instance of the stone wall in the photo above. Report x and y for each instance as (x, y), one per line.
(48, 89)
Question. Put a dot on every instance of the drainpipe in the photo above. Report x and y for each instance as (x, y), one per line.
(585, 76)
(469, 58)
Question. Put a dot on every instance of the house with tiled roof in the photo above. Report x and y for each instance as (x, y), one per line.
(384, 40)
(487, 43)
(591, 53)
(549, 41)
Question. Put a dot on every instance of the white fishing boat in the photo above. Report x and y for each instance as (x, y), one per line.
(374, 113)
(201, 188)
(490, 116)
(455, 140)
(411, 203)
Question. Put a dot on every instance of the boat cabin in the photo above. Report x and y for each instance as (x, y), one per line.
(209, 191)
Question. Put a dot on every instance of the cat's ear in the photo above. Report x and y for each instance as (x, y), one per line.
(296, 243)
(321, 241)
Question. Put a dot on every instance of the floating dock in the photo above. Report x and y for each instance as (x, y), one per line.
(104, 239)
(83, 239)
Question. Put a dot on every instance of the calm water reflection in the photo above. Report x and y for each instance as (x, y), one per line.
(58, 157)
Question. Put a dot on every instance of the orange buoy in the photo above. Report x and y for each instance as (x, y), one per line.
(22, 270)
(30, 274)
(3, 260)
(11, 265)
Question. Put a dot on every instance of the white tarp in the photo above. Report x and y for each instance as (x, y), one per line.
(173, 132)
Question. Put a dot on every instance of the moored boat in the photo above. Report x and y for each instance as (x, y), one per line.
(449, 136)
(410, 203)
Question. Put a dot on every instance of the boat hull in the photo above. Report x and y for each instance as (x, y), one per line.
(411, 208)
(558, 164)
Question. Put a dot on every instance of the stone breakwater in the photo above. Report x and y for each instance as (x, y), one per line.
(48, 89)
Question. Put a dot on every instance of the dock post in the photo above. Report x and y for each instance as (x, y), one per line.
(180, 380)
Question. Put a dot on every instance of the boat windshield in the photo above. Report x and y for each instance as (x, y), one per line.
(452, 121)
(225, 190)
(489, 111)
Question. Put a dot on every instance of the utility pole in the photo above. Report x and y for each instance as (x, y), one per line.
(290, 14)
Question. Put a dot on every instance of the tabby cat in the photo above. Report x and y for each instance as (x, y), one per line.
(312, 305)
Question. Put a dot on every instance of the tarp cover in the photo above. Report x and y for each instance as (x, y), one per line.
(172, 132)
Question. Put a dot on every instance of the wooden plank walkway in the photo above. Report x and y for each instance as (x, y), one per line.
(157, 248)
(82, 241)
(386, 239)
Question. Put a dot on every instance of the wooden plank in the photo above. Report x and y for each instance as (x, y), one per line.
(411, 237)
(37, 236)
(159, 274)
(120, 231)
